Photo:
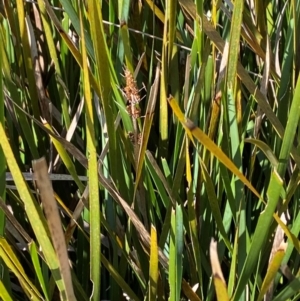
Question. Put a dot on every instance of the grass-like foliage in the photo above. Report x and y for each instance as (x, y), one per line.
(149, 150)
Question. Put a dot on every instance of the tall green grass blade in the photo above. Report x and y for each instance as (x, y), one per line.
(173, 264)
(105, 79)
(179, 249)
(38, 270)
(234, 43)
(261, 232)
(291, 127)
(94, 205)
(235, 144)
(5, 276)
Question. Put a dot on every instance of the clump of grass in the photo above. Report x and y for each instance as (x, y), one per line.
(186, 189)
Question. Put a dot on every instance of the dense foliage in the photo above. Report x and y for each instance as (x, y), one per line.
(170, 144)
